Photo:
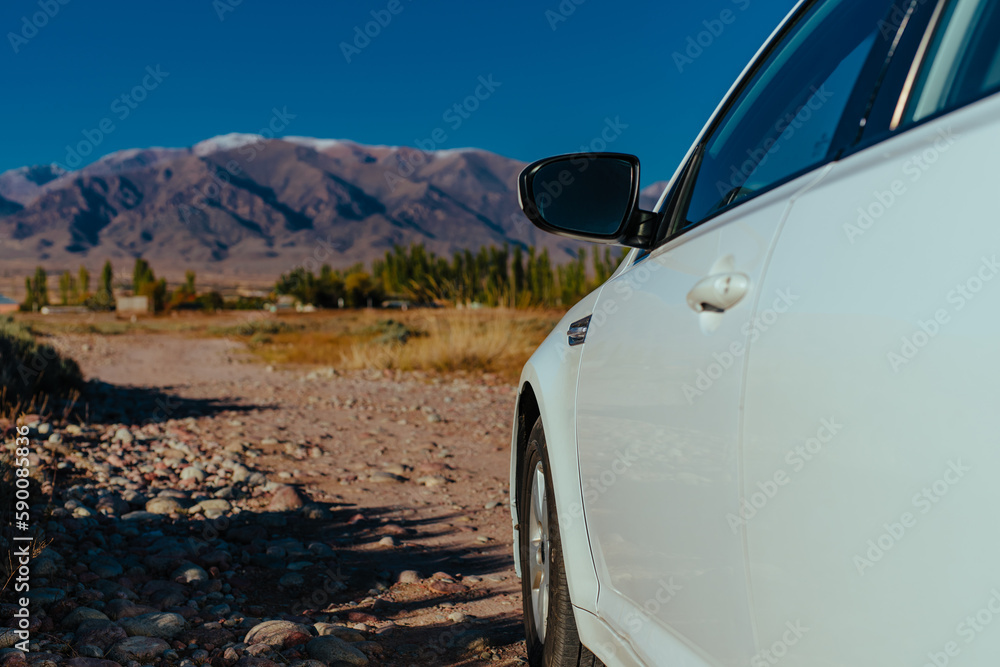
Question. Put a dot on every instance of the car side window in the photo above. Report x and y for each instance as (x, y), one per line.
(785, 115)
(961, 65)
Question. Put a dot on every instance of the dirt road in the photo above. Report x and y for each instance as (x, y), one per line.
(412, 469)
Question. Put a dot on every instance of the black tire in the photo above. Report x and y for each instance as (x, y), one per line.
(561, 646)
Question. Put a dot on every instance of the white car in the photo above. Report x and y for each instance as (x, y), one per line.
(773, 436)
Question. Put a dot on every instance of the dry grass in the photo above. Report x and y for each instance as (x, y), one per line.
(441, 340)
(492, 341)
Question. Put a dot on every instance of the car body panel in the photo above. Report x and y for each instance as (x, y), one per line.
(658, 433)
(880, 385)
(551, 375)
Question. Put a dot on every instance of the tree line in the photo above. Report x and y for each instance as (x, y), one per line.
(515, 278)
(492, 276)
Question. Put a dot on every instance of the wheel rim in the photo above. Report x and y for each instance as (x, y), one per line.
(538, 551)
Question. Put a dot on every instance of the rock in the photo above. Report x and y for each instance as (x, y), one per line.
(43, 597)
(457, 617)
(44, 566)
(408, 577)
(91, 662)
(140, 516)
(8, 637)
(102, 634)
(78, 616)
(292, 580)
(193, 472)
(333, 650)
(387, 542)
(253, 661)
(432, 480)
(449, 587)
(342, 631)
(164, 625)
(164, 505)
(123, 435)
(142, 649)
(381, 477)
(189, 573)
(91, 651)
(278, 634)
(106, 567)
(285, 499)
(215, 504)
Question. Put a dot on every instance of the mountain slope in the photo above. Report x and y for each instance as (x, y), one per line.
(240, 206)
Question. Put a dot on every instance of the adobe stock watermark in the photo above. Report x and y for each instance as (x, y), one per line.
(30, 25)
(752, 330)
(121, 108)
(698, 43)
(927, 330)
(796, 458)
(562, 12)
(773, 654)
(784, 128)
(370, 30)
(454, 116)
(968, 630)
(634, 620)
(923, 502)
(913, 169)
(223, 7)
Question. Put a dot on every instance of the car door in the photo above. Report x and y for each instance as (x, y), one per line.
(663, 364)
(875, 398)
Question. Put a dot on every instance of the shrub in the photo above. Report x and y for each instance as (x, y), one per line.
(30, 370)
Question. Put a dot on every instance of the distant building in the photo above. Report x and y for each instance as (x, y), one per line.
(7, 305)
(132, 304)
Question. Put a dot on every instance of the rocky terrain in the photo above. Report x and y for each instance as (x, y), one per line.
(210, 511)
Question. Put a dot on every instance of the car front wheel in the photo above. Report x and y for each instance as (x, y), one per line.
(552, 637)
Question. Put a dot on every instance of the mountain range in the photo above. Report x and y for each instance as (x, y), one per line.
(240, 208)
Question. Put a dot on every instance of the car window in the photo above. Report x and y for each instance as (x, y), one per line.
(962, 63)
(785, 116)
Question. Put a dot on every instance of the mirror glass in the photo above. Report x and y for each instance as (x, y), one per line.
(584, 195)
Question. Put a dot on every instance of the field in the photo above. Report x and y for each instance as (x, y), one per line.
(496, 341)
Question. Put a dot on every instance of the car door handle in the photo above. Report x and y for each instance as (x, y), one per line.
(718, 293)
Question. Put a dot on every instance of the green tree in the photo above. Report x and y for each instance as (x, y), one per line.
(83, 282)
(105, 290)
(142, 275)
(40, 288)
(189, 283)
(66, 288)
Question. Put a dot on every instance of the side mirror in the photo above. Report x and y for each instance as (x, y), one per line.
(588, 197)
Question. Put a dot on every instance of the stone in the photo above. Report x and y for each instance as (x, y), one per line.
(278, 634)
(102, 634)
(106, 567)
(189, 573)
(91, 662)
(43, 597)
(141, 649)
(292, 580)
(164, 625)
(193, 472)
(342, 631)
(81, 614)
(164, 505)
(123, 435)
(334, 650)
(285, 499)
(432, 480)
(408, 577)
(141, 516)
(382, 477)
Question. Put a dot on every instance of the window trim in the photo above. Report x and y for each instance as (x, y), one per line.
(870, 78)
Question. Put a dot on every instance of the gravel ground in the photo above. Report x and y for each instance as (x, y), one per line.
(211, 510)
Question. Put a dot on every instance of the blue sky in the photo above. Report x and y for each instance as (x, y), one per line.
(556, 73)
